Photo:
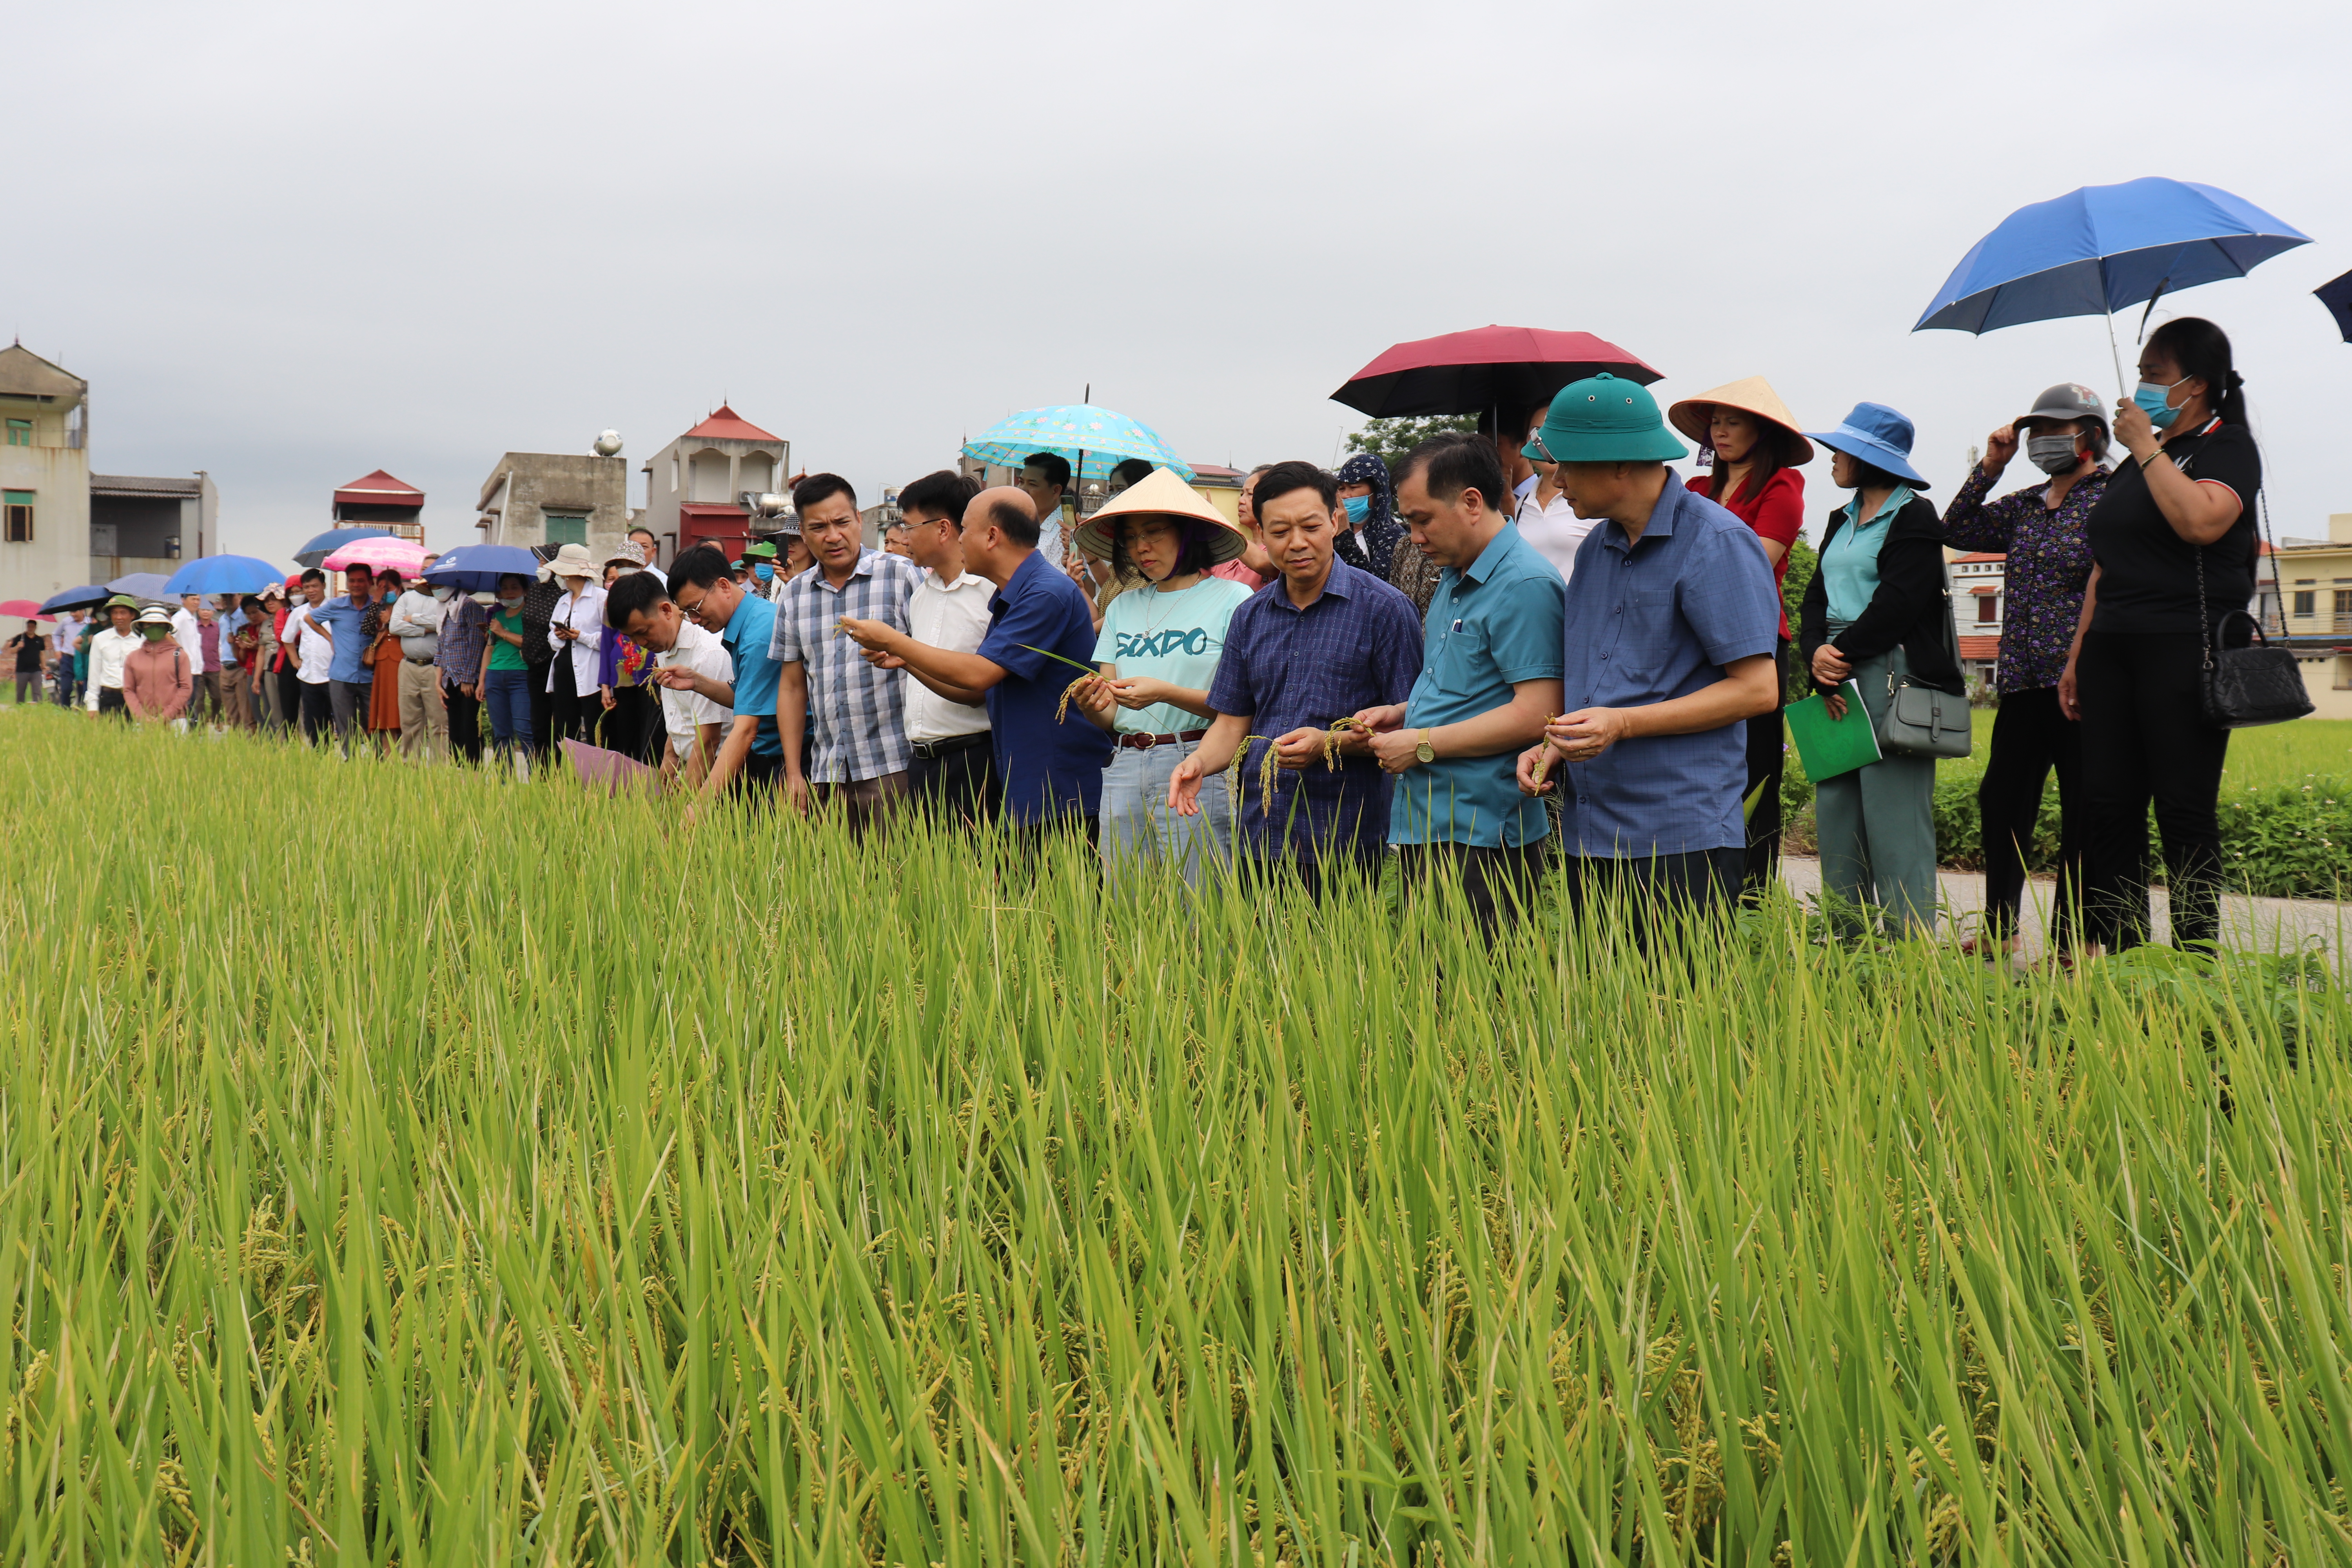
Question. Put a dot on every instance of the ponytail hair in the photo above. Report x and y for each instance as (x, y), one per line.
(2203, 349)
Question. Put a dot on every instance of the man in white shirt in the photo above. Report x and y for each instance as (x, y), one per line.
(1045, 476)
(423, 712)
(953, 772)
(314, 658)
(108, 650)
(639, 609)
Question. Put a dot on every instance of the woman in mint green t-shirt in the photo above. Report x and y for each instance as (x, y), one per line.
(1157, 653)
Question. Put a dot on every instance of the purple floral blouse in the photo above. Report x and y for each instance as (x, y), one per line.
(2049, 567)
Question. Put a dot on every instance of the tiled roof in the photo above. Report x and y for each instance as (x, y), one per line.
(1977, 650)
(137, 485)
(1978, 555)
(23, 373)
(378, 489)
(726, 424)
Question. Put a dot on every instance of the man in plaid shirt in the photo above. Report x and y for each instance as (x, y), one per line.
(851, 712)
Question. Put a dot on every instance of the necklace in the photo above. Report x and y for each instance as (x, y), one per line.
(1151, 626)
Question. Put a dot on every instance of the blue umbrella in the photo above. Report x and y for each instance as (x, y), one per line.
(1094, 441)
(79, 599)
(140, 584)
(334, 539)
(476, 568)
(2106, 248)
(2337, 295)
(223, 574)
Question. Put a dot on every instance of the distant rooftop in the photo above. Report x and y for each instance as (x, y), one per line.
(23, 373)
(726, 424)
(378, 489)
(137, 485)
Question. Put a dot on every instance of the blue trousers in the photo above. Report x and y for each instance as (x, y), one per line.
(506, 694)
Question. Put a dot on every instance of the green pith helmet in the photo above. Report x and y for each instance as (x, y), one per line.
(1603, 419)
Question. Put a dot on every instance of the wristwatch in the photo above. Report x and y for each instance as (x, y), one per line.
(1425, 752)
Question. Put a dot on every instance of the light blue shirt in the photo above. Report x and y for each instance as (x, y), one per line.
(1175, 638)
(1850, 563)
(342, 619)
(1492, 624)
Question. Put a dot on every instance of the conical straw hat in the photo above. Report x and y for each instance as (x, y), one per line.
(1161, 493)
(1754, 395)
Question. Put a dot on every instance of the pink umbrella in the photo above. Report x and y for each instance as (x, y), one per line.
(402, 555)
(610, 771)
(22, 610)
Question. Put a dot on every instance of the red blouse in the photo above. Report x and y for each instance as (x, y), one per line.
(1779, 515)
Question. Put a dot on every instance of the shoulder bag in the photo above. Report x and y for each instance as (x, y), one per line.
(1921, 720)
(2243, 687)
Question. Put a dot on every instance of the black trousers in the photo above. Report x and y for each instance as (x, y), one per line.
(1766, 762)
(290, 697)
(1316, 874)
(316, 704)
(465, 720)
(956, 786)
(2145, 740)
(1657, 889)
(2030, 739)
(633, 718)
(111, 700)
(542, 711)
(1497, 882)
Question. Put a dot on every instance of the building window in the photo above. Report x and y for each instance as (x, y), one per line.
(2303, 601)
(18, 505)
(2343, 602)
(20, 432)
(2344, 675)
(567, 531)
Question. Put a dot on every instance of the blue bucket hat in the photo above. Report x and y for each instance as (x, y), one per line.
(1879, 436)
(1602, 419)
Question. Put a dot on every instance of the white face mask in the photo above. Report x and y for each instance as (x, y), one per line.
(444, 594)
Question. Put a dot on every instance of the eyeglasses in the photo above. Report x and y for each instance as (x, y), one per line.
(692, 612)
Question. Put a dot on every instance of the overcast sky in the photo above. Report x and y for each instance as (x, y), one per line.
(292, 243)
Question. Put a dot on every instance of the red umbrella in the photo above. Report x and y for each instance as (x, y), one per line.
(1490, 367)
(22, 610)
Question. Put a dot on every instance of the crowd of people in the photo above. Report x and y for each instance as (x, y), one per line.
(1527, 647)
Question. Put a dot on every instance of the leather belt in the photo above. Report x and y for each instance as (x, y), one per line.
(926, 750)
(1145, 742)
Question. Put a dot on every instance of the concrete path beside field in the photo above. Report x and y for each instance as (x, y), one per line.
(2257, 925)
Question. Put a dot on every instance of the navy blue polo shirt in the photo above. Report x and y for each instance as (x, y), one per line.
(1050, 768)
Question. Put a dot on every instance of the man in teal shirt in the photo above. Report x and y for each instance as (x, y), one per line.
(1490, 678)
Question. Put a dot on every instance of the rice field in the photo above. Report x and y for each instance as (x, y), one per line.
(411, 1167)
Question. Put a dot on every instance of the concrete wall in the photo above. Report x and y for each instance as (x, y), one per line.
(526, 487)
(58, 477)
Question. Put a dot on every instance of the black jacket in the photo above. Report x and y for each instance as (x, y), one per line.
(1909, 608)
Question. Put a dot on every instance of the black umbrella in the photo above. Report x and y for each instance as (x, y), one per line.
(2337, 295)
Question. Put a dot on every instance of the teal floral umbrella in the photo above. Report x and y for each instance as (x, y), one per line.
(1094, 441)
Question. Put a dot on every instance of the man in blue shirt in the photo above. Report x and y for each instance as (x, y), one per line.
(703, 587)
(1490, 676)
(349, 677)
(1672, 625)
(1323, 641)
(1051, 761)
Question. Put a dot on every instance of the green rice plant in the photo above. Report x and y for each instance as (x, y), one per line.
(411, 1166)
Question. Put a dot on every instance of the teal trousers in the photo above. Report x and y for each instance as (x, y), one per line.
(1877, 828)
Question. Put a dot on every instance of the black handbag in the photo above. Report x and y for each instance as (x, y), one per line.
(2257, 684)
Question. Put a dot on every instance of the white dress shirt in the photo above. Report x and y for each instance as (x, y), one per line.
(682, 711)
(417, 622)
(107, 651)
(314, 656)
(954, 617)
(583, 612)
(1555, 531)
(184, 630)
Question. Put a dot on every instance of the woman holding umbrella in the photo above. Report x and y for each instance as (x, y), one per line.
(1758, 452)
(2172, 553)
(1877, 598)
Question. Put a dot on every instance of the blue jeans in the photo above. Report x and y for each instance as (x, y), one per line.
(506, 694)
(1142, 835)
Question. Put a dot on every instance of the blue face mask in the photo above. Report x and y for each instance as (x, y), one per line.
(764, 572)
(1358, 508)
(2150, 398)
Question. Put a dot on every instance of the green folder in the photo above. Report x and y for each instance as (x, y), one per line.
(1828, 746)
